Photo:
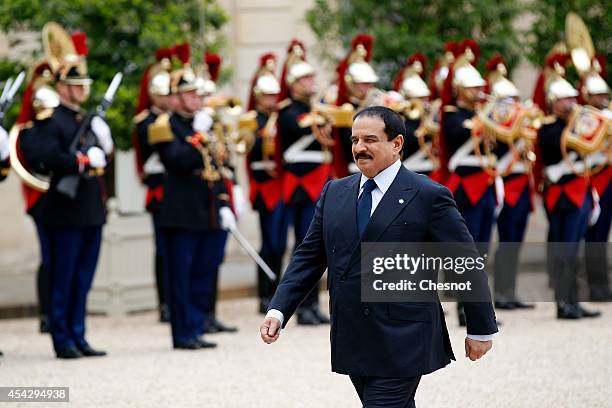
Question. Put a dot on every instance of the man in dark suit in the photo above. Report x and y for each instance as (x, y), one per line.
(385, 348)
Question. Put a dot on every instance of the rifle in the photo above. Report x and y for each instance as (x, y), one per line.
(85, 138)
(8, 94)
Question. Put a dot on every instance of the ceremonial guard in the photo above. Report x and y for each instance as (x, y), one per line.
(73, 218)
(222, 136)
(566, 194)
(154, 99)
(503, 118)
(304, 149)
(195, 204)
(467, 155)
(356, 79)
(265, 184)
(594, 94)
(38, 102)
(421, 128)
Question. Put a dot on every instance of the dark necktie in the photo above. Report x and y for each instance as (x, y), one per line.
(364, 206)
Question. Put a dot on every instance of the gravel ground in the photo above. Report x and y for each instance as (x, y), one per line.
(537, 361)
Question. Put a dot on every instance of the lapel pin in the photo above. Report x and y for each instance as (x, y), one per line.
(401, 201)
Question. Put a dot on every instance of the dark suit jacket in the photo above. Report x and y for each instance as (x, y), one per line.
(379, 339)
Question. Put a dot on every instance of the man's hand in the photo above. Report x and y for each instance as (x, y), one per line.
(270, 330)
(474, 349)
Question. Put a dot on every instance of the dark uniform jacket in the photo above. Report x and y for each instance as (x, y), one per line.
(189, 201)
(52, 138)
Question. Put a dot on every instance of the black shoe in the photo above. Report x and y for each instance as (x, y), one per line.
(223, 328)
(306, 317)
(522, 305)
(90, 352)
(44, 326)
(569, 311)
(1, 354)
(505, 305)
(263, 305)
(193, 344)
(601, 295)
(588, 313)
(206, 344)
(68, 353)
(319, 315)
(164, 314)
(210, 327)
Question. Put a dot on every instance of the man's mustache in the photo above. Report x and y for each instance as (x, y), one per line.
(362, 156)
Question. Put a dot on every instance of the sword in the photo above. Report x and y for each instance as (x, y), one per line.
(251, 252)
(7, 86)
(8, 94)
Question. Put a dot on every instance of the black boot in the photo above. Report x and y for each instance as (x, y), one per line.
(461, 315)
(44, 326)
(306, 317)
(568, 311)
(319, 315)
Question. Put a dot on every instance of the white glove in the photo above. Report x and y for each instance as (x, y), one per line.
(202, 122)
(228, 220)
(596, 210)
(4, 144)
(239, 201)
(97, 158)
(500, 194)
(103, 133)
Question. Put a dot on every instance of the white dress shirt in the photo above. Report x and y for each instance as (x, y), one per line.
(383, 182)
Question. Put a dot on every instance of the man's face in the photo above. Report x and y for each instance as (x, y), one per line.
(600, 101)
(190, 101)
(267, 102)
(73, 94)
(472, 95)
(163, 102)
(360, 91)
(305, 87)
(562, 107)
(372, 151)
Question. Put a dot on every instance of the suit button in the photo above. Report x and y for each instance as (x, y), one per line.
(343, 278)
(334, 249)
(366, 311)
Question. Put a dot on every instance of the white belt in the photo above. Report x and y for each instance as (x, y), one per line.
(297, 153)
(518, 167)
(554, 172)
(462, 157)
(419, 162)
(153, 165)
(263, 165)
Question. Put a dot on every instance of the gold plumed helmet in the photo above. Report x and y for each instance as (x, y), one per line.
(499, 85)
(159, 73)
(465, 75)
(296, 65)
(66, 55)
(359, 70)
(410, 79)
(582, 50)
(264, 81)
